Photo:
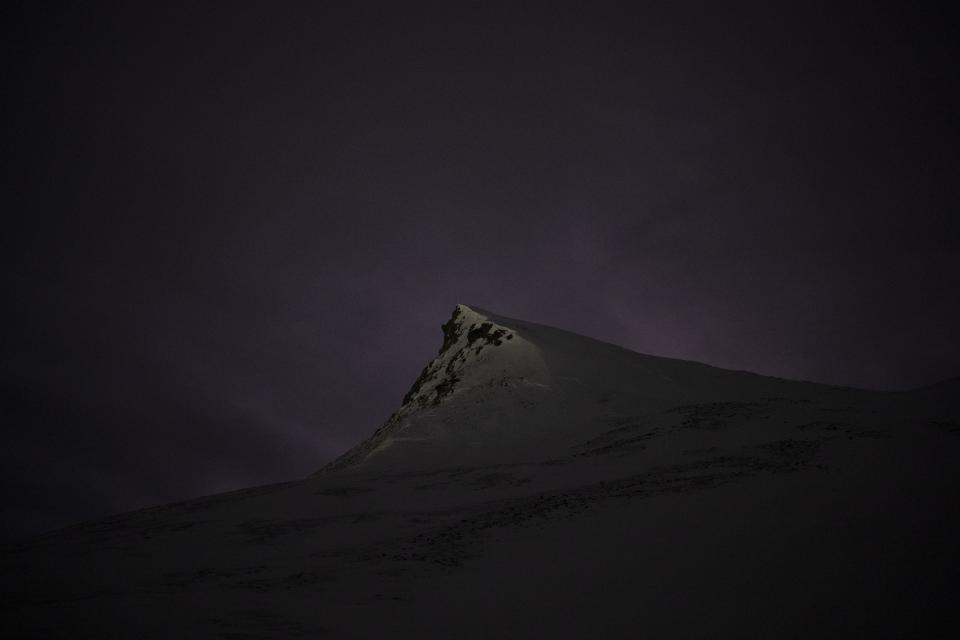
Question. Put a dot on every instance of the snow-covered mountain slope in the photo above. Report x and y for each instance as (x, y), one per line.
(504, 390)
(536, 483)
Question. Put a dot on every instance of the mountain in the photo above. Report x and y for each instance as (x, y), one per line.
(537, 483)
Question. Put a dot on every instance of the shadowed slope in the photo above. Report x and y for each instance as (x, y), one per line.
(536, 483)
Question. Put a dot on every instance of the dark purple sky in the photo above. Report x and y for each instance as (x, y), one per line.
(232, 235)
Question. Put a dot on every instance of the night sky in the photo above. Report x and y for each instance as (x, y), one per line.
(231, 235)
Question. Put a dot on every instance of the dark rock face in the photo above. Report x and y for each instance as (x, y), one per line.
(487, 334)
(452, 330)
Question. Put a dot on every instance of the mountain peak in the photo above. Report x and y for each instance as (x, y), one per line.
(465, 335)
(476, 326)
(479, 355)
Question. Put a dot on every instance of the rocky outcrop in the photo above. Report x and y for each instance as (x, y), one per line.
(466, 337)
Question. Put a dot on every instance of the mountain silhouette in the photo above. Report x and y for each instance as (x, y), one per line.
(535, 483)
